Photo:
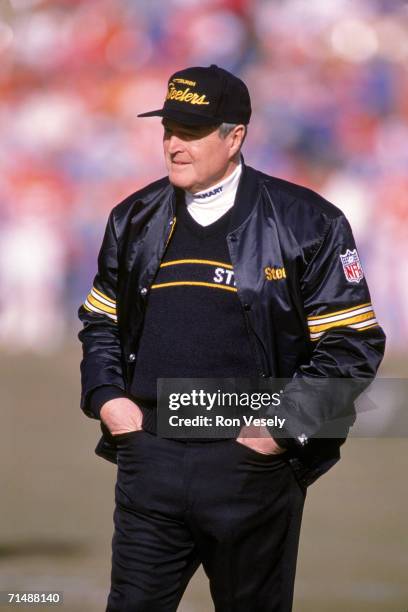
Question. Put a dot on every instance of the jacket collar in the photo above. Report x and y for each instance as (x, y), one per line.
(248, 194)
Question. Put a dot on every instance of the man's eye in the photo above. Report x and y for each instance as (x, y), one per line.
(183, 135)
(188, 135)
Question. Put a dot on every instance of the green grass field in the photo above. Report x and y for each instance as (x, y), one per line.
(57, 505)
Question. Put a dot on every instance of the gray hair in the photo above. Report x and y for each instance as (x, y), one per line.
(225, 128)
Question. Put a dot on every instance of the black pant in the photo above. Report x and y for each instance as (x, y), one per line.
(179, 504)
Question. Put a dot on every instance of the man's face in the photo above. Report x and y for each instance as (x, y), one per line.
(196, 157)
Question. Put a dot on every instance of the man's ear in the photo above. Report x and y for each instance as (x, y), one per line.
(237, 138)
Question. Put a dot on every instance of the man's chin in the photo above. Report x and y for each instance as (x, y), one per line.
(180, 181)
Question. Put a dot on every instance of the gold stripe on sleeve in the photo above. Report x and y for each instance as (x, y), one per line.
(100, 305)
(343, 322)
(338, 312)
(104, 296)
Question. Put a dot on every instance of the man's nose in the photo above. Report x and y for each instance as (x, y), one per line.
(174, 144)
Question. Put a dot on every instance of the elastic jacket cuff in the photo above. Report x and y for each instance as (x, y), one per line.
(101, 395)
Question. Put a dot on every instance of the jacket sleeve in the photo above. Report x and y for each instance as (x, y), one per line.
(101, 365)
(347, 341)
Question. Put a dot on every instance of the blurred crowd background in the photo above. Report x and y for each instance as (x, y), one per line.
(329, 87)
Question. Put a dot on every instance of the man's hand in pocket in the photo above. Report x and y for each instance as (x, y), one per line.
(259, 440)
(121, 415)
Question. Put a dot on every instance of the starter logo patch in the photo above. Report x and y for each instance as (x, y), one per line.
(351, 266)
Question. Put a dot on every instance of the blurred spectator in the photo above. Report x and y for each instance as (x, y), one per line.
(330, 90)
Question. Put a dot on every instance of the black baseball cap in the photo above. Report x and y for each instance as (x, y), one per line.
(205, 96)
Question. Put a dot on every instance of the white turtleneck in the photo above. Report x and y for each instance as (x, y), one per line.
(207, 206)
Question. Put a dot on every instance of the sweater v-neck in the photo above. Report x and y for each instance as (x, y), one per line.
(220, 226)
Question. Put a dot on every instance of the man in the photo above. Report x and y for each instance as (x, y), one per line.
(218, 271)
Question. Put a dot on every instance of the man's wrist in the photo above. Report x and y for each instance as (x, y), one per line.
(101, 395)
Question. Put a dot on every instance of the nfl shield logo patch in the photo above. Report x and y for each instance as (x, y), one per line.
(351, 266)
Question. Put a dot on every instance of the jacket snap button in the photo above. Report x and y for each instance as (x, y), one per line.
(132, 357)
(143, 291)
(247, 306)
(303, 439)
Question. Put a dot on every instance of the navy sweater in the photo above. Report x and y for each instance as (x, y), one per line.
(194, 326)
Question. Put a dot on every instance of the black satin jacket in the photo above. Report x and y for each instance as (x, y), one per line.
(299, 281)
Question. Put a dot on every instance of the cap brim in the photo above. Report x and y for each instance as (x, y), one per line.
(182, 117)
